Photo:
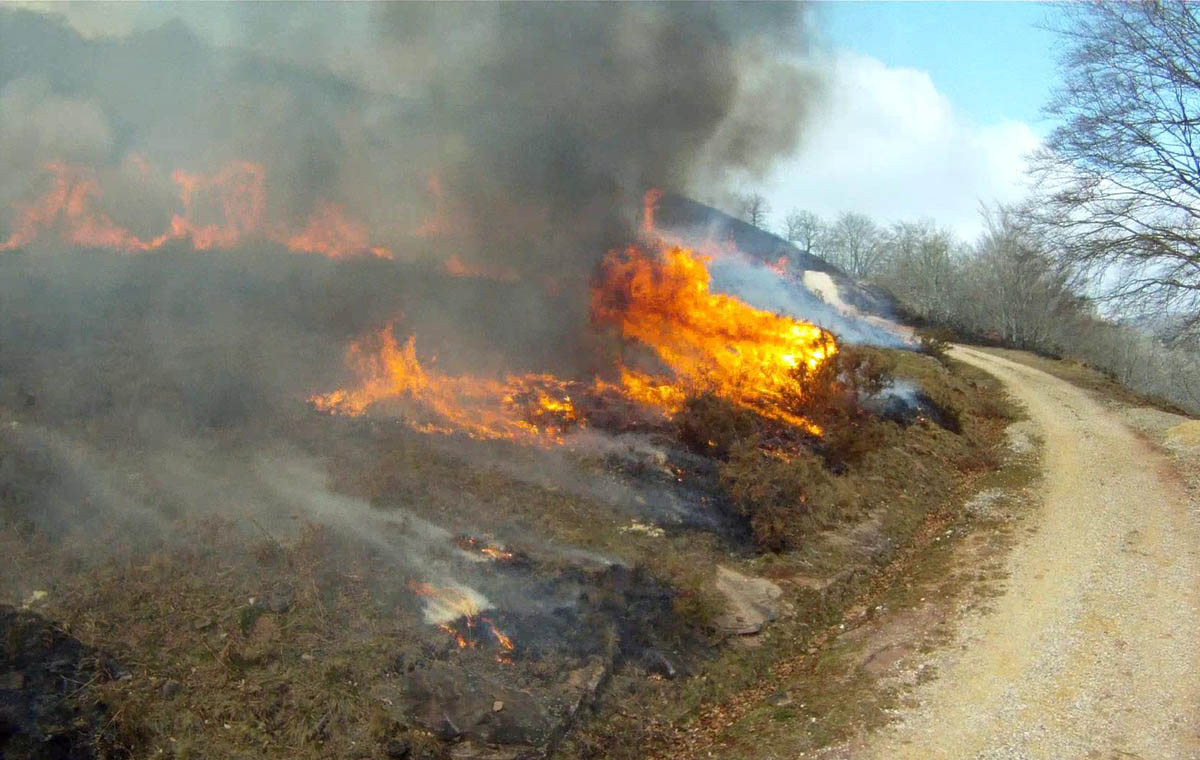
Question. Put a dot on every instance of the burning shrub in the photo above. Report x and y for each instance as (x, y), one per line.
(832, 394)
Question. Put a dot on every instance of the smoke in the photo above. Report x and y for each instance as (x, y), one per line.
(540, 125)
(760, 286)
(515, 139)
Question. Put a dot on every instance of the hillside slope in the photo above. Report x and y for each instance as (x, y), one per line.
(697, 221)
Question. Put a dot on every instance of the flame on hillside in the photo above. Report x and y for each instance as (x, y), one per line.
(710, 341)
(219, 210)
(459, 616)
(519, 406)
(482, 549)
(657, 298)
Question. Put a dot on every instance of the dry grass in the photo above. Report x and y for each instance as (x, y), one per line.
(240, 648)
(263, 678)
(878, 536)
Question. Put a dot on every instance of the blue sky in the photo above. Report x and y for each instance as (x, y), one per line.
(990, 59)
(932, 111)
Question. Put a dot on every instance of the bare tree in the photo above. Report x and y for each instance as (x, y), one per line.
(805, 229)
(754, 209)
(854, 243)
(1120, 179)
(1015, 287)
(920, 267)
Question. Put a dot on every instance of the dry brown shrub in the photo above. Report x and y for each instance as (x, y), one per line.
(783, 497)
(711, 425)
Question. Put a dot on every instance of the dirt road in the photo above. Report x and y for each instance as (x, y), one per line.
(1093, 651)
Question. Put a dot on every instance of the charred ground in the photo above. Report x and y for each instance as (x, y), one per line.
(250, 561)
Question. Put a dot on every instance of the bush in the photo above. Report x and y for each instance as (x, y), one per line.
(783, 497)
(831, 396)
(936, 341)
(711, 425)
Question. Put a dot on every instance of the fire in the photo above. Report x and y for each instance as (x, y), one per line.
(239, 191)
(519, 406)
(71, 197)
(219, 210)
(331, 233)
(459, 616)
(655, 294)
(708, 340)
(659, 299)
(649, 206)
(474, 545)
(456, 267)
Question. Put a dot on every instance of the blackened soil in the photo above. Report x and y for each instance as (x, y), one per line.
(45, 712)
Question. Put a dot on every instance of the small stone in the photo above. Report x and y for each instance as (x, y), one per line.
(280, 602)
(306, 657)
(779, 699)
(657, 663)
(497, 706)
(170, 688)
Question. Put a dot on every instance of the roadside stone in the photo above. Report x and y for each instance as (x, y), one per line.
(779, 699)
(169, 688)
(657, 663)
(751, 603)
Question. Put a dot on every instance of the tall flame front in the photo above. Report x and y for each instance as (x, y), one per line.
(710, 341)
(659, 298)
(655, 295)
(236, 192)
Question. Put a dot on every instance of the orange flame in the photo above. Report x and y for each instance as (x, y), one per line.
(708, 340)
(649, 207)
(331, 233)
(456, 267)
(472, 544)
(220, 210)
(524, 406)
(704, 340)
(658, 297)
(71, 197)
(468, 615)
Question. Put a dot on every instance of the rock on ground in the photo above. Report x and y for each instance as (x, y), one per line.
(751, 603)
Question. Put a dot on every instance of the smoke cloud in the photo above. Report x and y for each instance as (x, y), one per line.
(512, 142)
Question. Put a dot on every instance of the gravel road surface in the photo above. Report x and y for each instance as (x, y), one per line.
(1093, 651)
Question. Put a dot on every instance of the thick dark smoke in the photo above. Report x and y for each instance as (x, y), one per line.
(516, 138)
(553, 119)
(540, 124)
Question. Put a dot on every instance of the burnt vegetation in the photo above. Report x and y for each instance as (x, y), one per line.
(789, 484)
(283, 579)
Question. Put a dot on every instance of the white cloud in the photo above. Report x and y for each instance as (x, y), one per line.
(887, 143)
